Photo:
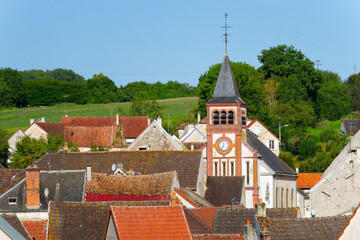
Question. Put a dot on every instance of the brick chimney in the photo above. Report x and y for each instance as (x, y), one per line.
(260, 209)
(248, 231)
(159, 120)
(32, 187)
(265, 234)
(198, 117)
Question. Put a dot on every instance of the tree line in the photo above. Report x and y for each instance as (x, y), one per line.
(46, 88)
(287, 87)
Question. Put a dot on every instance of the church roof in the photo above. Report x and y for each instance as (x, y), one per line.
(273, 161)
(226, 90)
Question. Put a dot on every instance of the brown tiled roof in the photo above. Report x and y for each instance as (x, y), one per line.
(36, 229)
(221, 190)
(197, 145)
(205, 214)
(55, 128)
(185, 163)
(84, 220)
(303, 228)
(6, 181)
(308, 180)
(218, 237)
(163, 222)
(351, 125)
(193, 197)
(195, 224)
(14, 221)
(182, 126)
(144, 185)
(204, 120)
(232, 220)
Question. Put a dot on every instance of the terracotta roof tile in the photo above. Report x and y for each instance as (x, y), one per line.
(206, 215)
(308, 180)
(14, 221)
(195, 224)
(163, 222)
(56, 128)
(36, 229)
(197, 145)
(185, 163)
(193, 198)
(7, 178)
(304, 228)
(218, 237)
(142, 185)
(84, 220)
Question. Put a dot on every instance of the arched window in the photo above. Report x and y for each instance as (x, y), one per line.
(282, 198)
(277, 198)
(287, 198)
(223, 117)
(216, 117)
(231, 117)
(292, 198)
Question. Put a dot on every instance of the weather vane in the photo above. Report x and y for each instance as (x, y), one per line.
(226, 34)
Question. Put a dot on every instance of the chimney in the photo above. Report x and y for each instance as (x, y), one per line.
(42, 119)
(260, 209)
(192, 146)
(248, 231)
(297, 169)
(159, 120)
(57, 192)
(88, 173)
(265, 234)
(117, 119)
(32, 187)
(32, 120)
(149, 120)
(173, 199)
(66, 114)
(198, 116)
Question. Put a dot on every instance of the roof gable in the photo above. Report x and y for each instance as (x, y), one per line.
(7, 177)
(161, 222)
(205, 214)
(195, 224)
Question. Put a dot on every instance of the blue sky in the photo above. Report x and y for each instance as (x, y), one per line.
(173, 40)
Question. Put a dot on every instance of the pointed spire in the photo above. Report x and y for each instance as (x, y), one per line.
(226, 90)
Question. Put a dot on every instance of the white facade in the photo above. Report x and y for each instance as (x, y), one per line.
(265, 136)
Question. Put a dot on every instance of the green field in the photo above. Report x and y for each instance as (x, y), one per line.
(13, 119)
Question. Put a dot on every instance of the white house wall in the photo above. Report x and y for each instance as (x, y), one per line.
(14, 139)
(352, 231)
(34, 131)
(264, 135)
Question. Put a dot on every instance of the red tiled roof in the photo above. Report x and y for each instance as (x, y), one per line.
(308, 180)
(218, 236)
(36, 229)
(56, 128)
(182, 126)
(206, 215)
(162, 222)
(197, 145)
(5, 178)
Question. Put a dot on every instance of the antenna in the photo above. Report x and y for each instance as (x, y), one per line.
(226, 34)
(317, 64)
(355, 68)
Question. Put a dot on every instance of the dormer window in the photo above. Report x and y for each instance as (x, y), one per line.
(12, 200)
(223, 117)
(231, 117)
(216, 118)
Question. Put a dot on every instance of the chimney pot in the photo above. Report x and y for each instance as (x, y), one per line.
(117, 119)
(88, 173)
(198, 117)
(159, 120)
(192, 146)
(260, 209)
(32, 120)
(248, 221)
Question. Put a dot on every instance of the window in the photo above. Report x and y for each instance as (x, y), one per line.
(12, 200)
(247, 173)
(271, 144)
(277, 198)
(243, 120)
(224, 168)
(231, 117)
(282, 197)
(351, 124)
(287, 198)
(232, 167)
(292, 198)
(216, 118)
(72, 134)
(142, 148)
(223, 117)
(215, 169)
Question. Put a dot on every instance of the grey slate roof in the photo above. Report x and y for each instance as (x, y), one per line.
(226, 90)
(221, 190)
(71, 188)
(185, 163)
(273, 161)
(232, 220)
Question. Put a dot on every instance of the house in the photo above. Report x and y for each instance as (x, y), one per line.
(103, 187)
(154, 137)
(351, 229)
(338, 190)
(11, 228)
(111, 132)
(350, 126)
(84, 220)
(160, 222)
(187, 164)
(29, 198)
(225, 190)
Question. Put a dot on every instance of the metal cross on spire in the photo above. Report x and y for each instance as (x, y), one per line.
(226, 34)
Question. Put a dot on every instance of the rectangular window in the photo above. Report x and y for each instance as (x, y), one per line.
(215, 169)
(12, 200)
(142, 148)
(271, 144)
(247, 173)
(224, 168)
(232, 169)
(352, 124)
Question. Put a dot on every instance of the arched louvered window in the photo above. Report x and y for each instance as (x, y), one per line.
(216, 117)
(282, 198)
(231, 117)
(287, 198)
(292, 198)
(223, 117)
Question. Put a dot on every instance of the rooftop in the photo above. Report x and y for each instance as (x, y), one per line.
(36, 229)
(308, 180)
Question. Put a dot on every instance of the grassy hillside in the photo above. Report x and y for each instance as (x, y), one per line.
(11, 120)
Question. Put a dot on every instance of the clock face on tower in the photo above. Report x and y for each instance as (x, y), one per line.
(223, 145)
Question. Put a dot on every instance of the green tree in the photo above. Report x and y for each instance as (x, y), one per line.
(353, 86)
(4, 147)
(142, 107)
(101, 89)
(12, 89)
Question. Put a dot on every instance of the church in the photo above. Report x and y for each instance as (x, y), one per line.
(232, 149)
